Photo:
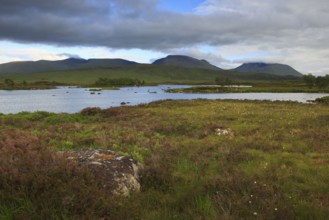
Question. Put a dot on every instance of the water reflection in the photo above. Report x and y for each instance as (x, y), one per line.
(68, 99)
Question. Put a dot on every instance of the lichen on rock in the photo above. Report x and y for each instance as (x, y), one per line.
(119, 174)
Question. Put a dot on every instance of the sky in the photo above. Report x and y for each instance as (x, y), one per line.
(227, 33)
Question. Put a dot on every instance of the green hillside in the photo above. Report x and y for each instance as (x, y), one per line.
(61, 65)
(171, 69)
(151, 74)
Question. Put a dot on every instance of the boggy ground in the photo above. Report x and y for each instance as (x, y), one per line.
(204, 159)
(260, 87)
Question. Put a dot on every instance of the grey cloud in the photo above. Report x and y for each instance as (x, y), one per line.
(69, 55)
(59, 7)
(141, 24)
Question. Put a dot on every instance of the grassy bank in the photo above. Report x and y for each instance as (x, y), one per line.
(258, 87)
(270, 163)
(30, 85)
(323, 100)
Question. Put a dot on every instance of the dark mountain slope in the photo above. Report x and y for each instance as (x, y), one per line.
(185, 61)
(60, 65)
(275, 69)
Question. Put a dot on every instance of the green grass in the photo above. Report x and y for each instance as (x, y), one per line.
(273, 165)
(275, 87)
(151, 75)
(23, 85)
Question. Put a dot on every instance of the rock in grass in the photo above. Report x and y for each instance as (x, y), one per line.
(120, 174)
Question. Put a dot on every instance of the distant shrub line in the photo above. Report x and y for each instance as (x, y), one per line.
(119, 82)
(319, 81)
(10, 84)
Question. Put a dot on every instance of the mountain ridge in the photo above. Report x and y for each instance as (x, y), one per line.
(61, 65)
(270, 68)
(21, 67)
(185, 61)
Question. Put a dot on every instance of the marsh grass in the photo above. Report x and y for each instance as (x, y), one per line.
(273, 165)
(272, 87)
(323, 100)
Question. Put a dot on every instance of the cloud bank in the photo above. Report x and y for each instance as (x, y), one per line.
(284, 30)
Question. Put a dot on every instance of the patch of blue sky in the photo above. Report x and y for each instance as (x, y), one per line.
(256, 55)
(207, 49)
(181, 6)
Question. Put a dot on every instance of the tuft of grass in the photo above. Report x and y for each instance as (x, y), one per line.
(323, 100)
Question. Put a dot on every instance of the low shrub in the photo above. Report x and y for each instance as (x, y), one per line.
(36, 183)
(90, 111)
(323, 100)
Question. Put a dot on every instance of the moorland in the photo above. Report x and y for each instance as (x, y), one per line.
(203, 159)
(271, 164)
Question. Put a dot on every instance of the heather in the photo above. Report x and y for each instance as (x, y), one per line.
(204, 159)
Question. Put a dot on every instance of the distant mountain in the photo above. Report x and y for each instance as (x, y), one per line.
(61, 65)
(179, 62)
(275, 69)
(185, 61)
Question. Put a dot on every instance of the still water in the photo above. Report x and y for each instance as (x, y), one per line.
(70, 100)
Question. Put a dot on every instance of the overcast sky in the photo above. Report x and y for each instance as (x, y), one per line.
(224, 32)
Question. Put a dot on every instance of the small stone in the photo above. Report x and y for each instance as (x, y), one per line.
(96, 163)
(119, 158)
